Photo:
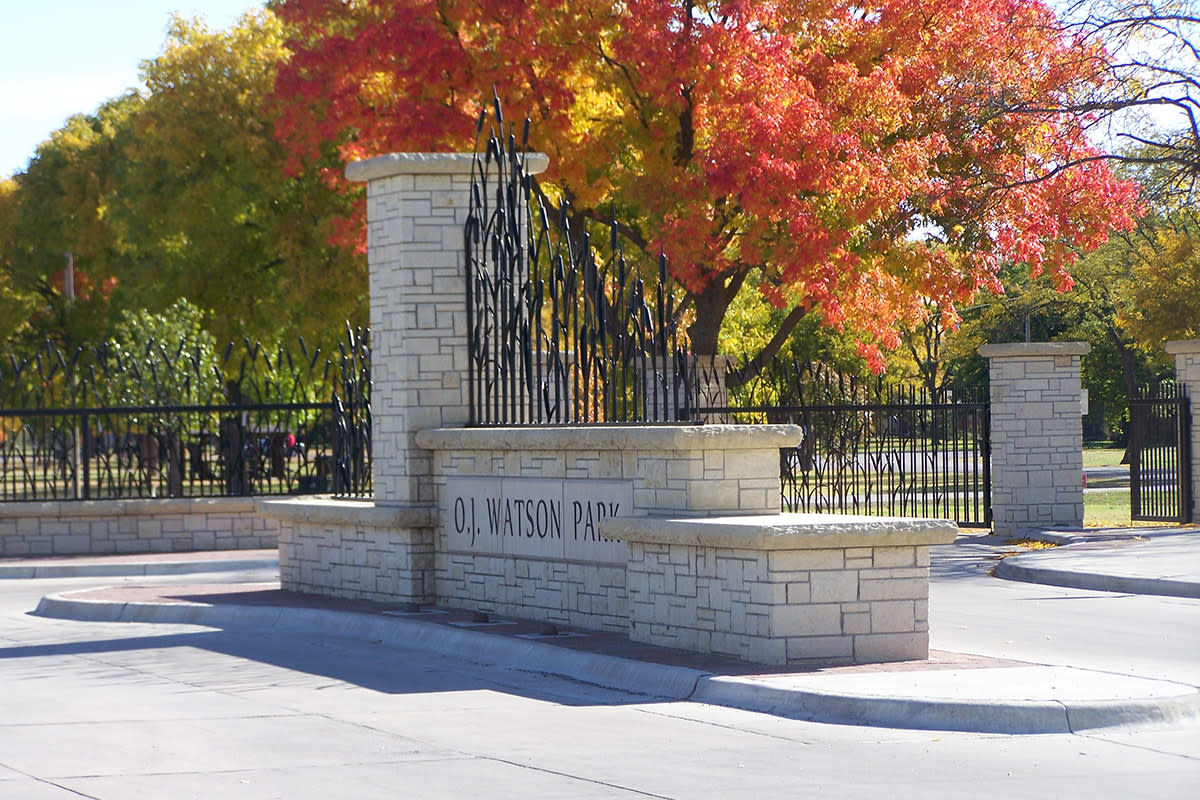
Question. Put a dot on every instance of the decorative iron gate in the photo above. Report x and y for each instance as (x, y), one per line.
(1160, 481)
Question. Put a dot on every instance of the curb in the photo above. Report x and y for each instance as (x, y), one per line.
(889, 712)
(131, 569)
(661, 681)
(1062, 538)
(1011, 569)
(967, 716)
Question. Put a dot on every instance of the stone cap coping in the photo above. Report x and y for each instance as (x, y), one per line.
(333, 511)
(782, 531)
(150, 506)
(392, 164)
(1035, 349)
(658, 438)
(1183, 346)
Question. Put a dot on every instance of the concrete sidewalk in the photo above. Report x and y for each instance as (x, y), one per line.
(948, 692)
(1160, 561)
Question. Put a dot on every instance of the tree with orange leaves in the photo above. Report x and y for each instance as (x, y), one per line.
(858, 161)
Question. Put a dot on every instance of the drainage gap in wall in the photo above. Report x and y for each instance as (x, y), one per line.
(555, 635)
(415, 612)
(481, 619)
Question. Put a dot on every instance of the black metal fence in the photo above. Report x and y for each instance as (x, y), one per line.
(250, 422)
(1160, 480)
(867, 448)
(562, 329)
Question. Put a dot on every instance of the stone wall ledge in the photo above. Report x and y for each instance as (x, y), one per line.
(1183, 346)
(782, 531)
(392, 164)
(349, 513)
(147, 507)
(1035, 349)
(642, 438)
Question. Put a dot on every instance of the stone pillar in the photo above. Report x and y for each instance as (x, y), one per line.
(1187, 373)
(417, 206)
(1037, 435)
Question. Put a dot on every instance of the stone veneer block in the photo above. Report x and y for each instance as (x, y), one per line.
(782, 589)
(1036, 435)
(1187, 373)
(685, 468)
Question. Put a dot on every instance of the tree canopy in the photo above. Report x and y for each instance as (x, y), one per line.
(855, 161)
(1130, 296)
(178, 191)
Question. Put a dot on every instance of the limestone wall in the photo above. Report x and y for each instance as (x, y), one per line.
(100, 527)
(783, 589)
(353, 549)
(514, 521)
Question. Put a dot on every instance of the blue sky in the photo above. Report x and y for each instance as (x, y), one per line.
(64, 57)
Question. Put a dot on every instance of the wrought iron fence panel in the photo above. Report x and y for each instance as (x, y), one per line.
(263, 422)
(167, 451)
(350, 428)
(562, 329)
(869, 449)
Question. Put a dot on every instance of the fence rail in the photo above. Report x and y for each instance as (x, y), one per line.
(173, 451)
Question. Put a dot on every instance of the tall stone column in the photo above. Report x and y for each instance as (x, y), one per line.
(1037, 435)
(417, 206)
(1187, 373)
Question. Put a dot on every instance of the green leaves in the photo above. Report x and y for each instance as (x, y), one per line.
(162, 359)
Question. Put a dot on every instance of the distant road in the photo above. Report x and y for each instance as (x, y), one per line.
(1110, 476)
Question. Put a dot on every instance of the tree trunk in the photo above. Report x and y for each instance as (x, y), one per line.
(711, 304)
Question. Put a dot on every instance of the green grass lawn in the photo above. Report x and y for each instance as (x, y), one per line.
(1110, 509)
(1106, 509)
(1102, 456)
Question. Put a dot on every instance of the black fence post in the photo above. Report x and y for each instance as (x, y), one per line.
(85, 452)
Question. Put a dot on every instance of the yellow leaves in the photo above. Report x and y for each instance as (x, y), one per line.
(251, 50)
(1030, 544)
(15, 306)
(378, 88)
(1163, 287)
(8, 207)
